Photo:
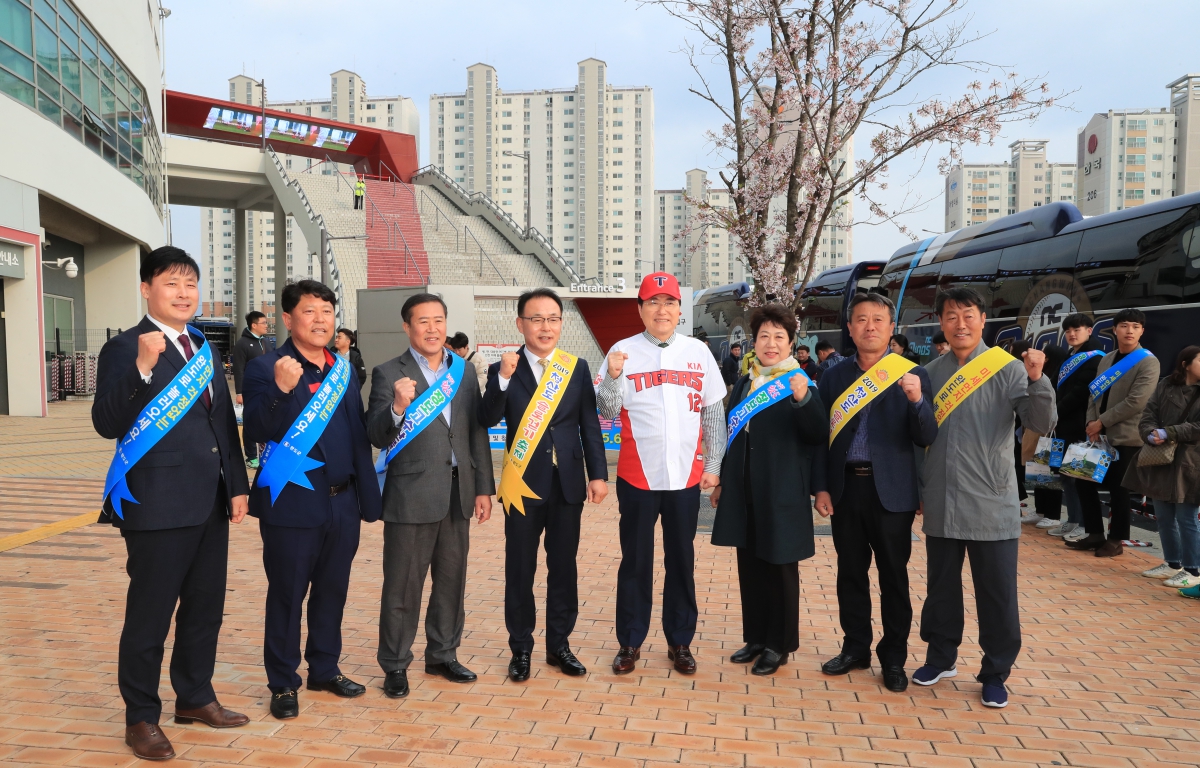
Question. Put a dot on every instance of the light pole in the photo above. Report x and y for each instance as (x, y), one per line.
(524, 156)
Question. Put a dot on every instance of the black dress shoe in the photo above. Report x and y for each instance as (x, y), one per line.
(768, 662)
(1091, 542)
(843, 663)
(566, 662)
(284, 705)
(452, 671)
(339, 686)
(395, 685)
(747, 654)
(518, 668)
(895, 679)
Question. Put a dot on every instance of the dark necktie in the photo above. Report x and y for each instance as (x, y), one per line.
(186, 343)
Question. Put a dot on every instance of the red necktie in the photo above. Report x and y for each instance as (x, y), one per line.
(186, 343)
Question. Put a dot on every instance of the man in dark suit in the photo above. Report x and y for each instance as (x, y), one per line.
(176, 530)
(555, 473)
(869, 474)
(434, 485)
(250, 345)
(309, 535)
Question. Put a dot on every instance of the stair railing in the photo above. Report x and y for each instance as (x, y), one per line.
(425, 197)
(483, 254)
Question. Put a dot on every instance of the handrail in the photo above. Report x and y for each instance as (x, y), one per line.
(438, 208)
(393, 228)
(482, 254)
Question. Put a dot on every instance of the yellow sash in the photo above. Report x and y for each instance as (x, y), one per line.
(533, 425)
(866, 388)
(967, 379)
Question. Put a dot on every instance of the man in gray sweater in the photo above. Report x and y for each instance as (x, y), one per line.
(969, 492)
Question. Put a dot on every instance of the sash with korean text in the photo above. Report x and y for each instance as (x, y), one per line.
(156, 420)
(421, 412)
(287, 461)
(764, 397)
(1074, 363)
(870, 385)
(1105, 380)
(967, 379)
(534, 423)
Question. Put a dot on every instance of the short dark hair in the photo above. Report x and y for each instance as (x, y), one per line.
(536, 293)
(1020, 347)
(824, 345)
(349, 335)
(168, 258)
(939, 338)
(873, 298)
(459, 341)
(900, 339)
(962, 296)
(1130, 316)
(775, 313)
(1077, 320)
(293, 291)
(254, 317)
(1182, 361)
(736, 345)
(804, 347)
(417, 299)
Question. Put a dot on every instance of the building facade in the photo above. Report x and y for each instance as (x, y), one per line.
(349, 102)
(976, 193)
(1126, 158)
(590, 155)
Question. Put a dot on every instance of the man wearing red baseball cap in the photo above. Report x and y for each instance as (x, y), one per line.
(667, 390)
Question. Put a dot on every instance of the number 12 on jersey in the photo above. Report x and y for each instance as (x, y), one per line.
(695, 401)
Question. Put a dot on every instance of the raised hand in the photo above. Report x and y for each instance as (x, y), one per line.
(150, 346)
(508, 364)
(799, 386)
(616, 363)
(404, 391)
(1034, 360)
(287, 373)
(911, 384)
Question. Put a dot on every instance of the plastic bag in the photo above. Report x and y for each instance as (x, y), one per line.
(1049, 451)
(1088, 461)
(1041, 476)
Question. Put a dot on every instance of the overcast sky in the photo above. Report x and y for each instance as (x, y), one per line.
(1107, 58)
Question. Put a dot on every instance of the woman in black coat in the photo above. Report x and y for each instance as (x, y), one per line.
(763, 505)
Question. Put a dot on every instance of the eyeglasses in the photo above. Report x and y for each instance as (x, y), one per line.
(537, 321)
(655, 303)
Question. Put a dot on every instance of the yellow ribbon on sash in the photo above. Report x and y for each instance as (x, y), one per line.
(866, 388)
(534, 423)
(967, 379)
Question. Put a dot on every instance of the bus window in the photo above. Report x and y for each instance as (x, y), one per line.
(1165, 272)
(1109, 255)
(1023, 268)
(919, 293)
(822, 307)
(976, 271)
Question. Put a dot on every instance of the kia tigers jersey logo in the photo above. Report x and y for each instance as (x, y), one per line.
(691, 379)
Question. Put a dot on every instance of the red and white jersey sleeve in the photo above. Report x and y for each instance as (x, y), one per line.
(663, 390)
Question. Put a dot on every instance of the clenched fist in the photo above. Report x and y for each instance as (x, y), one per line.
(911, 384)
(616, 363)
(508, 364)
(150, 346)
(404, 391)
(1034, 360)
(799, 386)
(287, 373)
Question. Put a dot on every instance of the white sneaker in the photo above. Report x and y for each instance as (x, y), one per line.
(1079, 533)
(1163, 571)
(1063, 529)
(1030, 517)
(1182, 580)
(1048, 522)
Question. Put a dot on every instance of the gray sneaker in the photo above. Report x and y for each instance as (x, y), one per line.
(1079, 533)
(1063, 529)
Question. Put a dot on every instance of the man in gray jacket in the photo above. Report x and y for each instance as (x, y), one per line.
(970, 498)
(433, 486)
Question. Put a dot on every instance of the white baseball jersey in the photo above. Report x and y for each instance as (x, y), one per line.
(662, 392)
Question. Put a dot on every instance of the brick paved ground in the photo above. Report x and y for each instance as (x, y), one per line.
(1108, 676)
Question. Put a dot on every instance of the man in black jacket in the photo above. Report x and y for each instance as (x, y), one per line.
(729, 366)
(184, 490)
(1072, 398)
(555, 474)
(249, 346)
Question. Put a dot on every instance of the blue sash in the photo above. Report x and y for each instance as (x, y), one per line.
(421, 412)
(156, 420)
(766, 396)
(287, 461)
(1074, 362)
(1105, 380)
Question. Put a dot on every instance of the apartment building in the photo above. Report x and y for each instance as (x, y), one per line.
(590, 150)
(979, 192)
(348, 102)
(1126, 158)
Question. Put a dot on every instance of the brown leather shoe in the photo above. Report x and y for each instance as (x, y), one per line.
(626, 660)
(1110, 549)
(149, 742)
(211, 714)
(685, 663)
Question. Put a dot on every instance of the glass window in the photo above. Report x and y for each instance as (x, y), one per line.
(1109, 255)
(87, 35)
(1166, 270)
(16, 87)
(48, 108)
(16, 62)
(47, 83)
(69, 19)
(919, 293)
(105, 55)
(108, 106)
(91, 89)
(14, 26)
(46, 11)
(68, 38)
(47, 47)
(70, 69)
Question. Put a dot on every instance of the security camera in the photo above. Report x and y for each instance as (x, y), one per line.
(71, 268)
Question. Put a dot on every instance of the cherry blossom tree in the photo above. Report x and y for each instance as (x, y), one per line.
(798, 81)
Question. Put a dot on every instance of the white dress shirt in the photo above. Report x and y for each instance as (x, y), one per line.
(173, 337)
(535, 363)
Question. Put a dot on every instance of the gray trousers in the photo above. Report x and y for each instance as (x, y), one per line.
(409, 553)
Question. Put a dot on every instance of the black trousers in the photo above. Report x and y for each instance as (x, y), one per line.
(770, 595)
(295, 559)
(994, 573)
(1118, 497)
(640, 509)
(1048, 503)
(522, 534)
(862, 527)
(249, 447)
(177, 565)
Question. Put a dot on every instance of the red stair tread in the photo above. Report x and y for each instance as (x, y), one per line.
(389, 264)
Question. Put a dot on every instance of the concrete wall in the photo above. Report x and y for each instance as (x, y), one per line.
(22, 344)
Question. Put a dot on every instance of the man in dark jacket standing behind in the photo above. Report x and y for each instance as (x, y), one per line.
(868, 473)
(173, 504)
(249, 346)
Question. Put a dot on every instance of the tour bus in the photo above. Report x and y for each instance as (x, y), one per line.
(1033, 269)
(721, 316)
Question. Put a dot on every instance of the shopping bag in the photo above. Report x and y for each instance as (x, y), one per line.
(1049, 451)
(1088, 461)
(1040, 476)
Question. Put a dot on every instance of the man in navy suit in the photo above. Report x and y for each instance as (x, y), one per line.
(869, 474)
(555, 473)
(310, 536)
(187, 488)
